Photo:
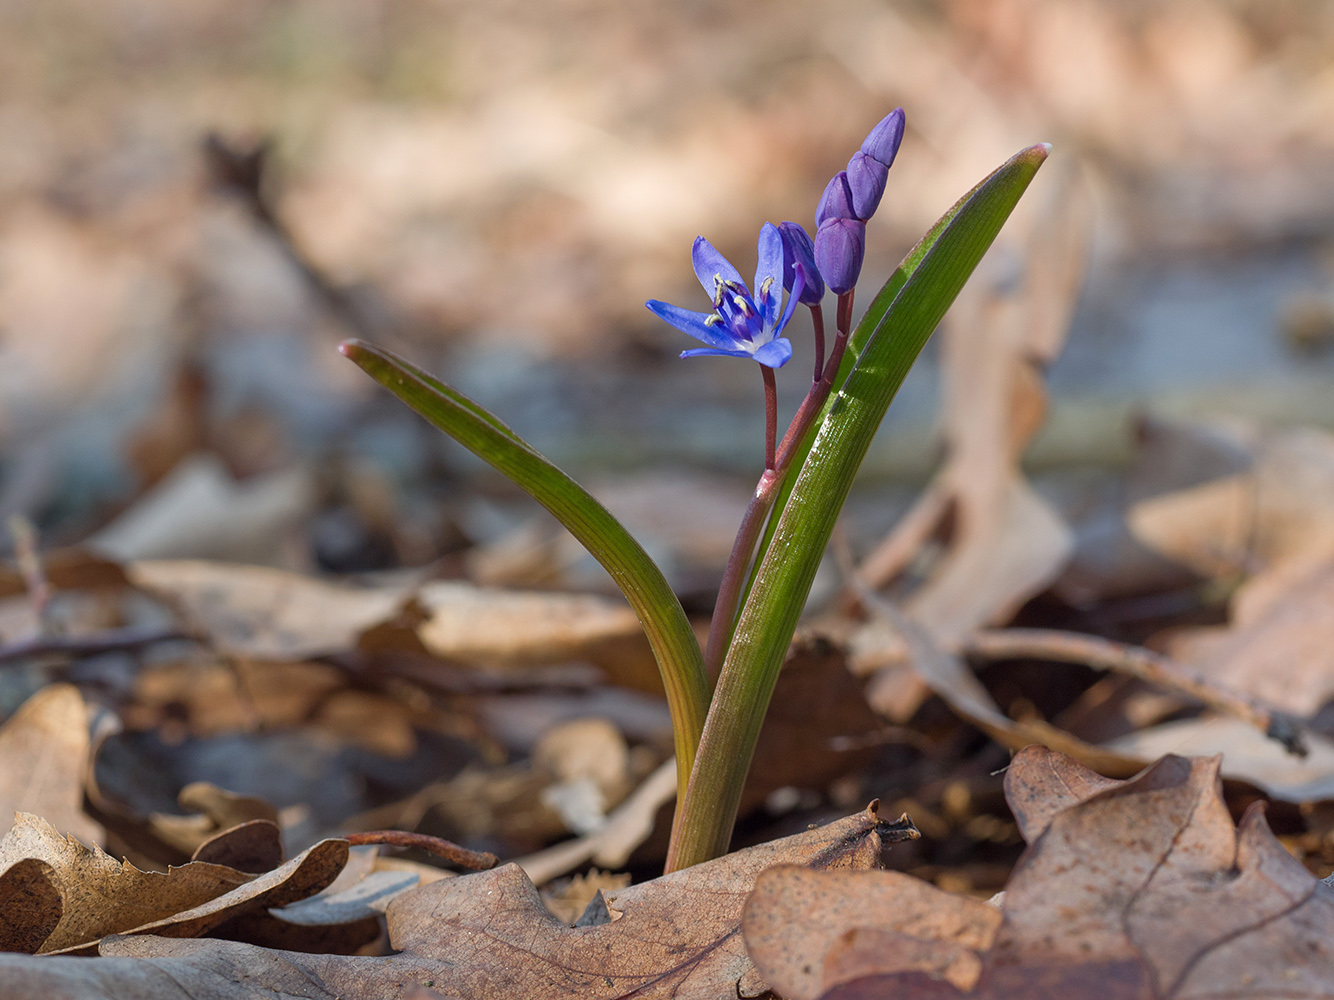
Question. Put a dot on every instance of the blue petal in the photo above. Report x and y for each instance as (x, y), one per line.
(775, 353)
(694, 323)
(769, 268)
(698, 352)
(710, 265)
(798, 287)
(798, 247)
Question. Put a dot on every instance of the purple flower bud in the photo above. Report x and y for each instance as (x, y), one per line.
(869, 167)
(884, 140)
(799, 249)
(866, 181)
(836, 202)
(840, 245)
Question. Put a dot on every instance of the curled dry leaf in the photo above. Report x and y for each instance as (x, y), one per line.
(254, 846)
(306, 874)
(44, 747)
(483, 935)
(98, 894)
(1129, 889)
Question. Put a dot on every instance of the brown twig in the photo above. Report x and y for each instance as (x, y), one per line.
(441, 848)
(29, 560)
(1105, 654)
(245, 170)
(905, 540)
(108, 641)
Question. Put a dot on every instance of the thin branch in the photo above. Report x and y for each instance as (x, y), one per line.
(1104, 654)
(108, 641)
(441, 848)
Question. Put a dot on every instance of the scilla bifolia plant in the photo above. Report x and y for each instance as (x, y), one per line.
(718, 697)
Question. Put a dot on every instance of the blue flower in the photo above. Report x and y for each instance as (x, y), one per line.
(740, 325)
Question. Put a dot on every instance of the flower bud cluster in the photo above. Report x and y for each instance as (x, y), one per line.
(849, 200)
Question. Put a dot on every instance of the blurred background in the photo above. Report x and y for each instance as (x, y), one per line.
(199, 200)
(495, 189)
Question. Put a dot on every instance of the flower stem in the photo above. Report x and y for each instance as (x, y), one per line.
(766, 490)
(704, 827)
(729, 591)
(817, 320)
(770, 415)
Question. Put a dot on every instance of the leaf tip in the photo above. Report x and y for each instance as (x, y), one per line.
(351, 348)
(1037, 153)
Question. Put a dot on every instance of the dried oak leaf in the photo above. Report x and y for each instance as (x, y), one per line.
(44, 747)
(482, 936)
(254, 846)
(98, 895)
(848, 920)
(1137, 889)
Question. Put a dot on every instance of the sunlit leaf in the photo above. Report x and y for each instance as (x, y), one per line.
(639, 578)
(901, 319)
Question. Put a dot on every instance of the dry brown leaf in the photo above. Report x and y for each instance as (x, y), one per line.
(254, 846)
(1281, 508)
(795, 913)
(483, 935)
(266, 613)
(30, 905)
(199, 511)
(101, 895)
(1248, 755)
(491, 626)
(306, 874)
(168, 836)
(1136, 889)
(1041, 782)
(568, 899)
(1276, 519)
(1279, 646)
(628, 826)
(44, 747)
(342, 918)
(1006, 543)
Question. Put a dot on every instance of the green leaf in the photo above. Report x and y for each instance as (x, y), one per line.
(477, 429)
(896, 328)
(867, 326)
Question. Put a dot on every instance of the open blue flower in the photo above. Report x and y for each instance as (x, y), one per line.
(740, 325)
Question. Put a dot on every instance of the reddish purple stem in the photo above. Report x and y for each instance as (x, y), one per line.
(777, 460)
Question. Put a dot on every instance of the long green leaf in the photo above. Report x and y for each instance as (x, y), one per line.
(783, 579)
(477, 429)
(866, 326)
